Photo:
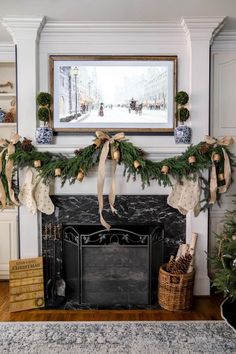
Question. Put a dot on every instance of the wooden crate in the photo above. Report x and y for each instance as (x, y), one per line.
(26, 284)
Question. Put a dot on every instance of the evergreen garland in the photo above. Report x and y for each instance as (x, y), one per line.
(148, 170)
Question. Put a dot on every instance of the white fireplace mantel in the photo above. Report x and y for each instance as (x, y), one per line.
(189, 39)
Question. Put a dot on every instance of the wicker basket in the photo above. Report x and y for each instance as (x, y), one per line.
(175, 291)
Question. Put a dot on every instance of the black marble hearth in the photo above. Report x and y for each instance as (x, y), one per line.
(77, 260)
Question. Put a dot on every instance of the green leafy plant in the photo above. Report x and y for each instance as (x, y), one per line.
(44, 100)
(43, 114)
(182, 113)
(182, 98)
(224, 260)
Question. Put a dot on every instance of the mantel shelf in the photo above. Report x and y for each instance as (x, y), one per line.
(154, 153)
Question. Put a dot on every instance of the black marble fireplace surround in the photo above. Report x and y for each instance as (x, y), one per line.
(116, 268)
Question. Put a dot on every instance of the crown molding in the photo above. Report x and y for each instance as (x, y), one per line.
(225, 41)
(114, 26)
(202, 28)
(116, 33)
(23, 28)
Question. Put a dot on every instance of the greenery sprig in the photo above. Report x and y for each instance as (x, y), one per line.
(224, 259)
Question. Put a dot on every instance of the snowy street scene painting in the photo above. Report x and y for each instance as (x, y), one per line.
(114, 94)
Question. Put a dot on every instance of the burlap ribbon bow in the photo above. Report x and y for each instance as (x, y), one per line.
(225, 141)
(10, 148)
(101, 173)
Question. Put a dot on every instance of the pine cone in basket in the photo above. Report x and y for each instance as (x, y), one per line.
(180, 266)
(170, 264)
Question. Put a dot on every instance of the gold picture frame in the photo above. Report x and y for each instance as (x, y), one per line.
(113, 93)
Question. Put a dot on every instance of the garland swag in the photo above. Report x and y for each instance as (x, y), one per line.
(193, 161)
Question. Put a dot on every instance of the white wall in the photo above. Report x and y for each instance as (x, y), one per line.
(189, 40)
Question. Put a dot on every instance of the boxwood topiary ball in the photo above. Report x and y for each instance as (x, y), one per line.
(44, 99)
(181, 98)
(182, 114)
(43, 114)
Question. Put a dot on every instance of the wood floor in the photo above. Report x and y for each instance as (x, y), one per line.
(205, 308)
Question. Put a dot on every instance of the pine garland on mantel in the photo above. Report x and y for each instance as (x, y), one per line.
(194, 160)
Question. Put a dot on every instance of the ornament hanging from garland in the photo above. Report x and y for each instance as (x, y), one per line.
(137, 164)
(216, 157)
(192, 160)
(37, 163)
(50, 166)
(57, 172)
(165, 169)
(203, 148)
(116, 155)
(80, 176)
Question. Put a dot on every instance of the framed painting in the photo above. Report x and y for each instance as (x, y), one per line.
(113, 93)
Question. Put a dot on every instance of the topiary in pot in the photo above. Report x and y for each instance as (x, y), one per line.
(182, 98)
(183, 133)
(44, 99)
(44, 133)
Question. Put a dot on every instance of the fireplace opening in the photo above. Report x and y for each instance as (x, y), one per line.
(87, 266)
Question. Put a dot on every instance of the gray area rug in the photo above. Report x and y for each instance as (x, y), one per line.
(117, 337)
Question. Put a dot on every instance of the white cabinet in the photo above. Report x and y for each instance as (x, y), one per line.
(9, 247)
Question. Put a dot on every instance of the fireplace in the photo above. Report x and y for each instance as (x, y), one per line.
(110, 268)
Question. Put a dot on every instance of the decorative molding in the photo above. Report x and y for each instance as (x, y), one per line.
(202, 28)
(114, 26)
(114, 32)
(224, 41)
(23, 28)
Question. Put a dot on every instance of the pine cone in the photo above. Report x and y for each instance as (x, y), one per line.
(170, 265)
(77, 152)
(9, 118)
(26, 145)
(182, 264)
(204, 148)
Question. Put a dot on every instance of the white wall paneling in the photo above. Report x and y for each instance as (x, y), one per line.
(189, 40)
(9, 247)
(25, 34)
(223, 122)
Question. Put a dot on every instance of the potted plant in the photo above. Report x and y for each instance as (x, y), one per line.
(44, 133)
(183, 133)
(224, 278)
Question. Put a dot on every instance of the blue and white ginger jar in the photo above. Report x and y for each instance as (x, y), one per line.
(43, 135)
(183, 134)
(2, 115)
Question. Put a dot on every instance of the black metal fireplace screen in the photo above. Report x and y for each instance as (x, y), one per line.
(112, 267)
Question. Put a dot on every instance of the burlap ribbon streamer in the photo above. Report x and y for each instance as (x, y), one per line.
(101, 173)
(10, 147)
(225, 141)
